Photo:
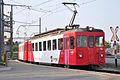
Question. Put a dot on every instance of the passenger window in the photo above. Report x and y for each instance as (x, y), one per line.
(60, 44)
(33, 46)
(49, 45)
(91, 41)
(81, 41)
(72, 42)
(40, 46)
(36, 46)
(44, 45)
(54, 45)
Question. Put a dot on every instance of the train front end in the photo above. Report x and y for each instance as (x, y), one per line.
(90, 47)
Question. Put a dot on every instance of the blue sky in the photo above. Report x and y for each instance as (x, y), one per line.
(96, 13)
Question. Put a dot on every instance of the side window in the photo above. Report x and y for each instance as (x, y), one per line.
(81, 41)
(72, 42)
(49, 45)
(60, 44)
(54, 45)
(33, 46)
(40, 46)
(44, 45)
(36, 46)
(91, 41)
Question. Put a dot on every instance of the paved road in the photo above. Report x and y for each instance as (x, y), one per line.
(25, 71)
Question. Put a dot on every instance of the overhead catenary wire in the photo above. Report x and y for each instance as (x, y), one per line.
(20, 11)
(56, 10)
(87, 2)
(22, 22)
(42, 3)
(15, 2)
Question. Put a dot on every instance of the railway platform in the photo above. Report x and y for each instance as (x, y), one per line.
(4, 68)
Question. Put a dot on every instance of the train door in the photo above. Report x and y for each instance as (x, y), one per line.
(30, 53)
(66, 50)
(91, 49)
(26, 51)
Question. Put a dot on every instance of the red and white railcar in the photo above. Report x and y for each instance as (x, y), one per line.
(77, 47)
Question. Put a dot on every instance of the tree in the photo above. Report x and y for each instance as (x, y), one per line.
(107, 44)
(118, 48)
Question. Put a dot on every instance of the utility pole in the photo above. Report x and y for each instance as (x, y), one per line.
(1, 29)
(11, 26)
(11, 31)
(39, 25)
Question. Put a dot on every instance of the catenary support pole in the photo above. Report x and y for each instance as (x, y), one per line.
(1, 29)
(11, 32)
(39, 25)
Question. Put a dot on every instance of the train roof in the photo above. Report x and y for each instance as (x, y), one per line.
(50, 32)
(62, 30)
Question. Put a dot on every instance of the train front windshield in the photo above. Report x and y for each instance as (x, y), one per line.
(99, 41)
(82, 41)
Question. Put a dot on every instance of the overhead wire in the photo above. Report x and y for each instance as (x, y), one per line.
(42, 3)
(50, 6)
(22, 22)
(38, 10)
(46, 15)
(20, 11)
(15, 2)
(87, 2)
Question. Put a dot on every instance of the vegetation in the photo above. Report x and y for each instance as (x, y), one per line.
(107, 44)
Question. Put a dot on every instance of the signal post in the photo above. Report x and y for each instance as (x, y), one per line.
(115, 39)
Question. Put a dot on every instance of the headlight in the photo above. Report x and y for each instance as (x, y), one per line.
(80, 55)
(101, 55)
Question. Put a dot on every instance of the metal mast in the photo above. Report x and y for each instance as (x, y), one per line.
(11, 25)
(1, 29)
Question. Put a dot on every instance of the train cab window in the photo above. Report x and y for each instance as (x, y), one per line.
(40, 46)
(81, 41)
(33, 46)
(49, 45)
(72, 42)
(44, 45)
(91, 41)
(54, 45)
(36, 46)
(60, 44)
(99, 41)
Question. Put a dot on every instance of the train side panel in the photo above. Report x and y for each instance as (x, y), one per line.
(21, 51)
(47, 56)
